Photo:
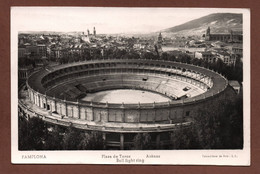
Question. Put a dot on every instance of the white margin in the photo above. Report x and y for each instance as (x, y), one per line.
(167, 157)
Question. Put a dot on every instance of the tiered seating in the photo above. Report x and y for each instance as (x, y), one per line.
(71, 94)
(90, 86)
(64, 95)
(81, 88)
(75, 93)
(194, 92)
(67, 91)
(160, 83)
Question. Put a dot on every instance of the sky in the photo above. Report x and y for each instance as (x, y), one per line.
(106, 20)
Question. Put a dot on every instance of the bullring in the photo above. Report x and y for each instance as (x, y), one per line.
(55, 93)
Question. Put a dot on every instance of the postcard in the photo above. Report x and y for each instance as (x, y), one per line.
(103, 85)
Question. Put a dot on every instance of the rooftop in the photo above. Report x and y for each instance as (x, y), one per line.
(233, 83)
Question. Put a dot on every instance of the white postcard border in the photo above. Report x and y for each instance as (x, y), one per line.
(167, 157)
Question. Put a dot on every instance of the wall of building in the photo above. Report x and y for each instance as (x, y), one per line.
(105, 114)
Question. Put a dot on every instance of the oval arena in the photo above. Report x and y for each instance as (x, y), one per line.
(63, 95)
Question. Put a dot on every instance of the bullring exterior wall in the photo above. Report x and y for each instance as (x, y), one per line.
(123, 114)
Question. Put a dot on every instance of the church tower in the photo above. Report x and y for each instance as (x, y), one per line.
(94, 31)
(88, 32)
(208, 31)
(231, 36)
(159, 42)
(207, 37)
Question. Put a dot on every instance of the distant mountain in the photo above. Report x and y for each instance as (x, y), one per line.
(39, 32)
(50, 32)
(218, 22)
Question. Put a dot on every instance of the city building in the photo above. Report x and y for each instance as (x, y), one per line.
(21, 51)
(41, 51)
(235, 85)
(232, 36)
(89, 37)
(227, 58)
(207, 56)
(24, 72)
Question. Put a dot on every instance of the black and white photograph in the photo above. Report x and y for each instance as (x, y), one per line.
(103, 85)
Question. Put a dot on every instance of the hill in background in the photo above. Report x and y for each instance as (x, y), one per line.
(218, 22)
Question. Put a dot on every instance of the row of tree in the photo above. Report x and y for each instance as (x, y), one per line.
(36, 134)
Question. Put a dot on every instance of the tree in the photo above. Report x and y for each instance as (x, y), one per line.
(231, 124)
(184, 138)
(172, 57)
(71, 139)
(32, 134)
(75, 139)
(222, 126)
(165, 56)
(91, 141)
(206, 129)
(23, 134)
(175, 138)
(142, 141)
(54, 140)
(184, 58)
(149, 55)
